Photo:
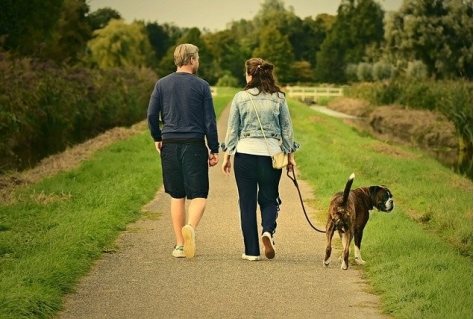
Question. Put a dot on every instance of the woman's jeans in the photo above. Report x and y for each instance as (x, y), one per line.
(257, 181)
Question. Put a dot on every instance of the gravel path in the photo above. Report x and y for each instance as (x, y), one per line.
(143, 280)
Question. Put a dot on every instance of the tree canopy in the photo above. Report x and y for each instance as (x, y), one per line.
(361, 42)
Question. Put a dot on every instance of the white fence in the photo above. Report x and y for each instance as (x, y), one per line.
(312, 94)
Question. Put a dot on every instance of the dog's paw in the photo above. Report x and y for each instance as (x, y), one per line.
(325, 263)
(344, 266)
(359, 261)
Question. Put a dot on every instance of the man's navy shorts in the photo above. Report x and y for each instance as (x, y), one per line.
(185, 169)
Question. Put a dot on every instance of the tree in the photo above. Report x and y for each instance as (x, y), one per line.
(162, 38)
(120, 44)
(357, 31)
(276, 48)
(101, 17)
(206, 64)
(28, 24)
(70, 37)
(330, 65)
(436, 32)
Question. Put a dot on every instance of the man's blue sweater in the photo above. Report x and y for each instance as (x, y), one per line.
(184, 103)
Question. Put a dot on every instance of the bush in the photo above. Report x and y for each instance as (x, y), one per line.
(381, 71)
(364, 72)
(45, 107)
(228, 80)
(451, 98)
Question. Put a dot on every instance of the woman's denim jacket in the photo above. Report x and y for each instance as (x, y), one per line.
(274, 116)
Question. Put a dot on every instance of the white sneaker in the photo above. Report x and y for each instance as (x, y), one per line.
(189, 241)
(178, 252)
(251, 258)
(267, 241)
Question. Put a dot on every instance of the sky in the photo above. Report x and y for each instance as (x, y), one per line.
(214, 15)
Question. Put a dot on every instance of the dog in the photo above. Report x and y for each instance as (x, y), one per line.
(348, 214)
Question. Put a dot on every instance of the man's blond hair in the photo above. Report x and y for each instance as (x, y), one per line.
(183, 54)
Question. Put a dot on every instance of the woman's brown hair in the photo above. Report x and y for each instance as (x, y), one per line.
(262, 76)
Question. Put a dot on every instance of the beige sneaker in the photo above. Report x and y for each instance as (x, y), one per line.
(178, 252)
(267, 241)
(189, 241)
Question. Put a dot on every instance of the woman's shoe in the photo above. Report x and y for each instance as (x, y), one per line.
(267, 241)
(251, 258)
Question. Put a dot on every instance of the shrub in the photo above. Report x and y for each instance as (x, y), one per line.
(45, 107)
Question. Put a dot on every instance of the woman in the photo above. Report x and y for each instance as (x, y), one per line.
(257, 181)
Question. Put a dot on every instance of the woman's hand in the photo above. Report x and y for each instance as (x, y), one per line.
(291, 162)
(226, 165)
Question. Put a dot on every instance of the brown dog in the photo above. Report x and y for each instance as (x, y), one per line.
(348, 214)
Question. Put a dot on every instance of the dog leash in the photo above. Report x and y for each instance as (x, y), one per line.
(301, 199)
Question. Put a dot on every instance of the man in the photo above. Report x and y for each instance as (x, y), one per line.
(184, 103)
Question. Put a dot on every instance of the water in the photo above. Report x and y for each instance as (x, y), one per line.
(459, 161)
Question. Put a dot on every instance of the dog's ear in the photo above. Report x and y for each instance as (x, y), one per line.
(373, 190)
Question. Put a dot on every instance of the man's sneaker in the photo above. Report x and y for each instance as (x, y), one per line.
(267, 241)
(251, 258)
(178, 252)
(189, 241)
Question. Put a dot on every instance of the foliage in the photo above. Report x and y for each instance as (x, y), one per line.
(120, 45)
(193, 35)
(451, 98)
(358, 28)
(276, 48)
(417, 70)
(227, 80)
(28, 24)
(161, 38)
(101, 17)
(71, 34)
(364, 72)
(381, 71)
(438, 33)
(228, 55)
(44, 108)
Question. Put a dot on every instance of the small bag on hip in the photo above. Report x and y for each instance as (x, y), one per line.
(279, 160)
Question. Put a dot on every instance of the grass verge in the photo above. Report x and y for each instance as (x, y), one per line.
(54, 230)
(419, 257)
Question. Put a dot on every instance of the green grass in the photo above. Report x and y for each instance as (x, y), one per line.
(59, 226)
(419, 257)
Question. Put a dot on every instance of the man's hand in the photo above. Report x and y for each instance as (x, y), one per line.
(213, 159)
(158, 146)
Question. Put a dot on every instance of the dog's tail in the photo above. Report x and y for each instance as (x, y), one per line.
(347, 189)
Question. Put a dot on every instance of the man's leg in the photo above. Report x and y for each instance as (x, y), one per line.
(178, 217)
(195, 211)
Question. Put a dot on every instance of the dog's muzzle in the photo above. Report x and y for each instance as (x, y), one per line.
(386, 205)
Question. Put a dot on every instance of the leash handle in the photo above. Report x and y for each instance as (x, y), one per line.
(293, 179)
